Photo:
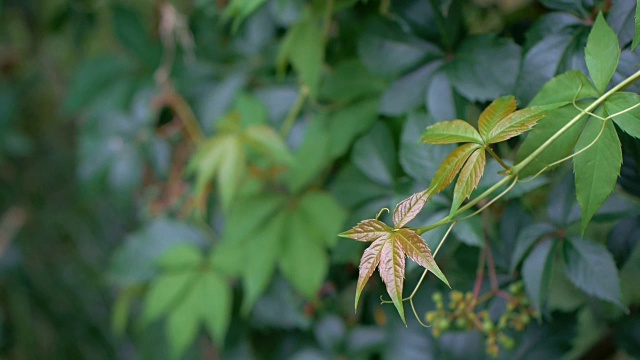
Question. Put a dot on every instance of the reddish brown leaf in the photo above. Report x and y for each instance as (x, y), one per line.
(367, 230)
(418, 251)
(451, 132)
(392, 273)
(368, 263)
(469, 178)
(496, 111)
(450, 167)
(409, 208)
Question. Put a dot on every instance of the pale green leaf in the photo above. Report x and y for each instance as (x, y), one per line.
(597, 167)
(183, 323)
(564, 89)
(303, 47)
(239, 10)
(555, 151)
(183, 256)
(418, 251)
(469, 178)
(206, 161)
(602, 53)
(311, 157)
(214, 295)
(591, 268)
(627, 118)
(409, 208)
(450, 167)
(450, 132)
(251, 110)
(231, 173)
(391, 267)
(268, 142)
(536, 272)
(324, 216)
(303, 260)
(496, 111)
(166, 292)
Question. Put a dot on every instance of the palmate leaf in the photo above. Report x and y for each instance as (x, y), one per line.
(628, 121)
(387, 252)
(409, 208)
(451, 132)
(469, 178)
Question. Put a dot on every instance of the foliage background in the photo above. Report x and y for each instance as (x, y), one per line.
(112, 205)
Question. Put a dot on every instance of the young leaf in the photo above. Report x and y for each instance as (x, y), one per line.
(450, 167)
(564, 89)
(596, 168)
(368, 264)
(391, 269)
(628, 121)
(496, 111)
(367, 231)
(418, 251)
(450, 132)
(602, 53)
(515, 124)
(469, 178)
(409, 208)
(536, 272)
(591, 268)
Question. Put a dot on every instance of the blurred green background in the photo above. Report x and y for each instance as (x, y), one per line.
(173, 174)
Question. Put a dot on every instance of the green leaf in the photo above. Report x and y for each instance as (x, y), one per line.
(409, 91)
(392, 267)
(260, 262)
(627, 120)
(132, 34)
(181, 257)
(303, 47)
(636, 36)
(348, 123)
(250, 109)
(525, 240)
(450, 167)
(324, 216)
(499, 109)
(120, 310)
(183, 323)
(416, 249)
(409, 208)
(231, 171)
(372, 156)
(536, 272)
(166, 292)
(516, 123)
(303, 260)
(485, 67)
(215, 297)
(240, 10)
(596, 168)
(312, 156)
(591, 268)
(267, 141)
(469, 178)
(450, 132)
(350, 81)
(564, 89)
(602, 53)
(558, 149)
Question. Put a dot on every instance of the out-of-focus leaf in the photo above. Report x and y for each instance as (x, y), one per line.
(215, 304)
(623, 238)
(591, 268)
(312, 156)
(324, 216)
(132, 34)
(303, 48)
(166, 292)
(470, 176)
(602, 53)
(627, 118)
(596, 168)
(231, 171)
(469, 232)
(636, 36)
(408, 92)
(525, 240)
(441, 98)
(346, 124)
(621, 19)
(240, 10)
(536, 272)
(451, 132)
(183, 256)
(516, 123)
(349, 81)
(372, 156)
(266, 140)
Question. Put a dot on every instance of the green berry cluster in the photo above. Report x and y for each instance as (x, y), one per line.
(461, 313)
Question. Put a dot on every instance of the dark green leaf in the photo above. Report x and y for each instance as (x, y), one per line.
(536, 272)
(132, 34)
(409, 91)
(348, 123)
(525, 240)
(591, 268)
(602, 53)
(372, 156)
(349, 81)
(441, 98)
(618, 104)
(636, 36)
(597, 167)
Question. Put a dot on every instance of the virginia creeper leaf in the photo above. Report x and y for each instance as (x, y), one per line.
(166, 291)
(450, 167)
(450, 132)
(391, 268)
(264, 139)
(418, 251)
(596, 168)
(591, 268)
(525, 240)
(367, 231)
(564, 89)
(409, 208)
(469, 178)
(303, 47)
(515, 124)
(636, 36)
(368, 264)
(496, 111)
(215, 302)
(536, 272)
(602, 53)
(628, 121)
